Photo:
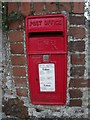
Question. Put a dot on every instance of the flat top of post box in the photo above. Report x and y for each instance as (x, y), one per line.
(46, 16)
(46, 23)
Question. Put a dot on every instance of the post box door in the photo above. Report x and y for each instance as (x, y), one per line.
(56, 93)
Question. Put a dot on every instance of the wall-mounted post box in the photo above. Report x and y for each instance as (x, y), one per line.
(46, 45)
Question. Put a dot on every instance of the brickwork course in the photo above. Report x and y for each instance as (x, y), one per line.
(16, 102)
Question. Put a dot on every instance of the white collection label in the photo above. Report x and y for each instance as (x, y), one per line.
(47, 77)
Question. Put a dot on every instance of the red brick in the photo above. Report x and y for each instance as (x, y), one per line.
(12, 7)
(77, 20)
(22, 92)
(65, 6)
(89, 83)
(16, 25)
(77, 102)
(78, 59)
(15, 107)
(77, 83)
(51, 6)
(16, 36)
(18, 60)
(77, 71)
(38, 6)
(77, 46)
(20, 82)
(19, 71)
(17, 48)
(78, 7)
(74, 93)
(25, 8)
(77, 32)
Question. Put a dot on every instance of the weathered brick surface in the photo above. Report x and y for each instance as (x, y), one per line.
(20, 82)
(78, 59)
(12, 7)
(75, 93)
(16, 36)
(17, 48)
(38, 7)
(22, 92)
(77, 32)
(89, 82)
(65, 6)
(78, 7)
(77, 46)
(18, 60)
(77, 102)
(78, 83)
(16, 25)
(25, 8)
(19, 71)
(51, 6)
(15, 108)
(77, 71)
(77, 20)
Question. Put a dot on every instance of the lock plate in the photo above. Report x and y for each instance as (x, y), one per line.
(45, 58)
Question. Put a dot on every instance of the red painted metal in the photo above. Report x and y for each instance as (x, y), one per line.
(46, 36)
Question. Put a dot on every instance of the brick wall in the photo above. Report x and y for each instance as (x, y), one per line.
(89, 46)
(77, 85)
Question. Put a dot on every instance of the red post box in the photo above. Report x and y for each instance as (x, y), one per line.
(46, 45)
